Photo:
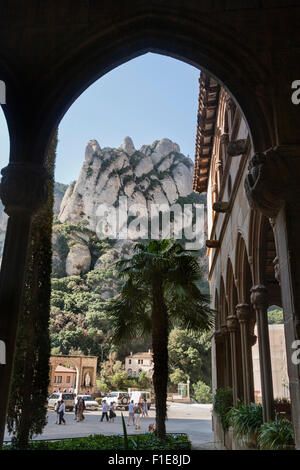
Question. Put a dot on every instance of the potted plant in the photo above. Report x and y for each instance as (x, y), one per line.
(246, 421)
(276, 435)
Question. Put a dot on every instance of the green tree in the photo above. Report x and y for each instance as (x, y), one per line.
(190, 352)
(28, 395)
(178, 376)
(275, 315)
(202, 392)
(160, 290)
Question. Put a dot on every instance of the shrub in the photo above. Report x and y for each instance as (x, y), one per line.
(245, 419)
(202, 392)
(116, 442)
(275, 435)
(223, 402)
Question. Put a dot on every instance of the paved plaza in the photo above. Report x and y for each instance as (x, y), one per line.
(193, 419)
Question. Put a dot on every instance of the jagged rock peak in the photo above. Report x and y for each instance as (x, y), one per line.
(161, 148)
(92, 148)
(165, 146)
(128, 146)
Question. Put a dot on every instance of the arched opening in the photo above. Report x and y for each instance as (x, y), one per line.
(270, 276)
(75, 80)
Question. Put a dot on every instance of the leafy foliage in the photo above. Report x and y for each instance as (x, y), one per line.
(189, 356)
(245, 419)
(223, 402)
(100, 442)
(275, 316)
(277, 434)
(202, 392)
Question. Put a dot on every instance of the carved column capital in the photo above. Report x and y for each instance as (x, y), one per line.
(273, 177)
(259, 297)
(243, 313)
(232, 323)
(23, 187)
(237, 147)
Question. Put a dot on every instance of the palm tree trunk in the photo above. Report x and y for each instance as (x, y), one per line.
(160, 354)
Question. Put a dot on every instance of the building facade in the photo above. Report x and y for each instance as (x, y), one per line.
(77, 370)
(64, 379)
(245, 249)
(139, 362)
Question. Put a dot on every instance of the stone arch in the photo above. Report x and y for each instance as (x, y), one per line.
(231, 289)
(243, 273)
(85, 57)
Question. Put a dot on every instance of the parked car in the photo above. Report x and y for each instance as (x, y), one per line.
(121, 399)
(68, 399)
(90, 403)
(138, 396)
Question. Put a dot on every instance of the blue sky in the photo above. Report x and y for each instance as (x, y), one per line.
(148, 98)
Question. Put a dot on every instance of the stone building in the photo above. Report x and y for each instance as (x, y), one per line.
(246, 249)
(252, 49)
(64, 379)
(139, 362)
(81, 370)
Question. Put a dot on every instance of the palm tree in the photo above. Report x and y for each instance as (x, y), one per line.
(160, 291)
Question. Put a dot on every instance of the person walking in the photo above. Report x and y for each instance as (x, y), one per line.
(104, 411)
(131, 413)
(61, 411)
(137, 413)
(80, 409)
(145, 409)
(57, 412)
(112, 413)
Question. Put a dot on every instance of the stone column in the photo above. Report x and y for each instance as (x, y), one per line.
(243, 315)
(232, 325)
(23, 191)
(259, 300)
(227, 359)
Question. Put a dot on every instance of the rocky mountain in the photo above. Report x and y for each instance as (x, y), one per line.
(154, 174)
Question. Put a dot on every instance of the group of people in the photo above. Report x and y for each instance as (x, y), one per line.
(79, 409)
(136, 411)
